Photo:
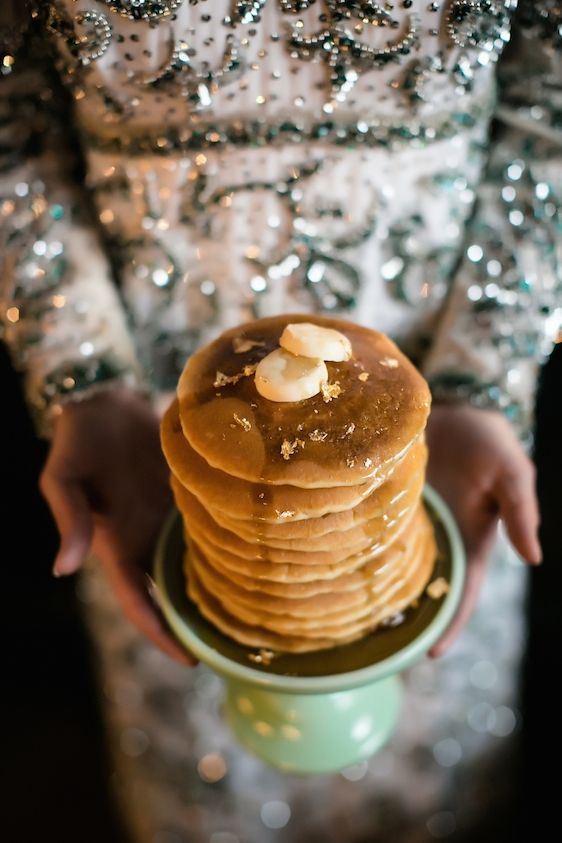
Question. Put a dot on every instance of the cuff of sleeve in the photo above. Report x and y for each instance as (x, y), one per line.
(78, 381)
(455, 387)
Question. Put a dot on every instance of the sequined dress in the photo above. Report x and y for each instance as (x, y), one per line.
(398, 163)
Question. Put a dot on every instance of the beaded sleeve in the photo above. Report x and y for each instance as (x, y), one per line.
(505, 306)
(60, 314)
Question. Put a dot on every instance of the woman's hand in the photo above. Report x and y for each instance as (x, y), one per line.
(479, 467)
(106, 483)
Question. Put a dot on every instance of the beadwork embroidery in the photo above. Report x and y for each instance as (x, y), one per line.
(309, 257)
(179, 76)
(96, 36)
(479, 23)
(143, 9)
(346, 56)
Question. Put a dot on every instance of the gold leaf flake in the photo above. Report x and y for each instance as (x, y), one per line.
(318, 435)
(364, 376)
(242, 344)
(437, 588)
(289, 448)
(350, 429)
(223, 380)
(330, 390)
(243, 422)
(263, 656)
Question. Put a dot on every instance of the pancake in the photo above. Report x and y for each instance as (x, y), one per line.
(319, 602)
(304, 523)
(368, 426)
(326, 619)
(285, 572)
(267, 577)
(346, 581)
(379, 508)
(362, 535)
(255, 501)
(201, 524)
(252, 635)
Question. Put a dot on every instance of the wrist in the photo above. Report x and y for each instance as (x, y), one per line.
(114, 396)
(464, 389)
(73, 382)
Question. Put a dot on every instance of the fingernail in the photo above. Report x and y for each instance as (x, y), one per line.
(58, 570)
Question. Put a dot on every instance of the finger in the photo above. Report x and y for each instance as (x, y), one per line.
(146, 616)
(477, 558)
(132, 594)
(71, 511)
(519, 509)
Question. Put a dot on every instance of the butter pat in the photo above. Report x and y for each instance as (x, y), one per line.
(307, 340)
(282, 376)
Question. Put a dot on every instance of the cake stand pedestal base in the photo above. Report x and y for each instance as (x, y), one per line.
(314, 733)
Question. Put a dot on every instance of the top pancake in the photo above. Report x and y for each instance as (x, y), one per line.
(368, 426)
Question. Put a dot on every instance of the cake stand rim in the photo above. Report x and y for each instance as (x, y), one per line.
(395, 663)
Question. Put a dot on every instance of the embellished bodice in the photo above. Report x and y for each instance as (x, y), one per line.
(195, 73)
(243, 123)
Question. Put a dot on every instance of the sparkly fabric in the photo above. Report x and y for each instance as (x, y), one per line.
(505, 307)
(61, 316)
(245, 158)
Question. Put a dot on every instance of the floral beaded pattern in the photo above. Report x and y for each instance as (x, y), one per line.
(251, 156)
(412, 46)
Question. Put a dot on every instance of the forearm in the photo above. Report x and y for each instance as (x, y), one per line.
(504, 313)
(61, 316)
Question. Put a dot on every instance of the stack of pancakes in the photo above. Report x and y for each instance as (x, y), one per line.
(303, 520)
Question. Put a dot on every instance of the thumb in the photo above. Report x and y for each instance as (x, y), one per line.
(476, 569)
(476, 558)
(71, 511)
(136, 593)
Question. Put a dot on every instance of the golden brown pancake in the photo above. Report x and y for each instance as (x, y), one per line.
(285, 572)
(303, 520)
(368, 426)
(256, 501)
(254, 635)
(201, 525)
(345, 591)
(376, 512)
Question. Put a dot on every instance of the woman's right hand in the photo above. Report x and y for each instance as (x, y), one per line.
(106, 483)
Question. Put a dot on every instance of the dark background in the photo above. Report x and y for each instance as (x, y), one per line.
(54, 764)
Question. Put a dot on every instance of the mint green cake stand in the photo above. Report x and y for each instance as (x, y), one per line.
(314, 712)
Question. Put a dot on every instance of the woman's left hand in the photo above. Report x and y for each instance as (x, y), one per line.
(479, 467)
